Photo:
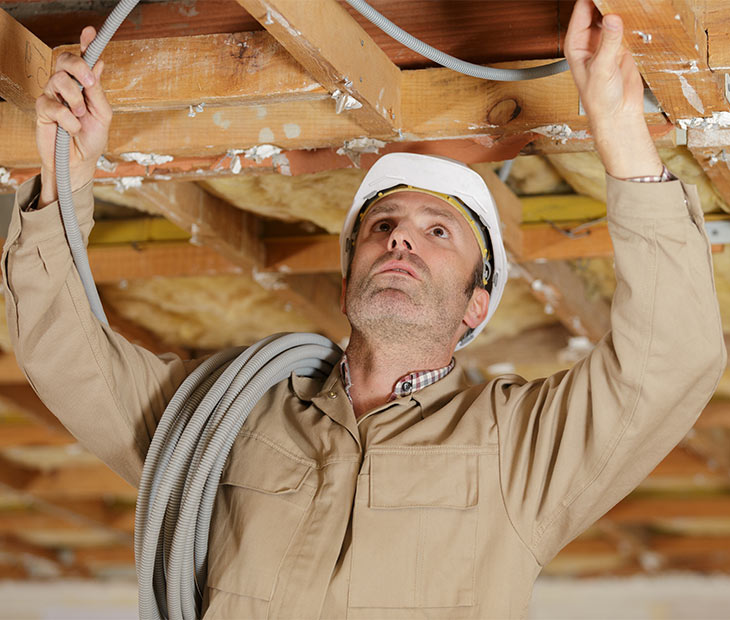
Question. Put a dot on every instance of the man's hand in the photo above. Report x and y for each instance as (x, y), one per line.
(87, 119)
(611, 91)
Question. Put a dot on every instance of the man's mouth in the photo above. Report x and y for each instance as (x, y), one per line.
(398, 267)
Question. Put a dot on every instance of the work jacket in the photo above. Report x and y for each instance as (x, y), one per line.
(442, 504)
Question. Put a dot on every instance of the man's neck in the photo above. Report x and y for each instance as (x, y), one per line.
(375, 367)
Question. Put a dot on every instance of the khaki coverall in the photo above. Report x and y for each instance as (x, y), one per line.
(443, 504)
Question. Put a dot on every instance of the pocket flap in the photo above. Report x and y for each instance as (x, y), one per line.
(255, 465)
(436, 480)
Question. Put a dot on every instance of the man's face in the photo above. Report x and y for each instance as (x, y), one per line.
(414, 258)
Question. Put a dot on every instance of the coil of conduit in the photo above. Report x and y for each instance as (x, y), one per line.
(197, 430)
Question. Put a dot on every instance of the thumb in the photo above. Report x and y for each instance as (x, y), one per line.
(609, 49)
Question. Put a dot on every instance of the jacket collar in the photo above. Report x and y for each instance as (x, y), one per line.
(329, 397)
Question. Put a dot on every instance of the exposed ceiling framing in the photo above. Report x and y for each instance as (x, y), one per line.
(297, 91)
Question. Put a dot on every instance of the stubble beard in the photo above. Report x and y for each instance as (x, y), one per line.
(397, 309)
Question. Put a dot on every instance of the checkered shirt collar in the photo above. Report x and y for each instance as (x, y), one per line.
(407, 384)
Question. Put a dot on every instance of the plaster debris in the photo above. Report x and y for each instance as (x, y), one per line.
(104, 164)
(578, 347)
(272, 15)
(147, 159)
(268, 280)
(715, 158)
(563, 133)
(5, 178)
(690, 94)
(261, 151)
(193, 111)
(292, 130)
(343, 101)
(356, 147)
(501, 368)
(645, 36)
(716, 121)
(162, 177)
(281, 163)
(220, 121)
(266, 135)
(122, 184)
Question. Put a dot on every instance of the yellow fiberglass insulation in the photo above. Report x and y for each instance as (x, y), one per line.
(205, 312)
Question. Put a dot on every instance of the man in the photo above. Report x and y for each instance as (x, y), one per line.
(362, 497)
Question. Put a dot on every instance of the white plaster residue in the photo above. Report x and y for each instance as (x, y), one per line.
(261, 111)
(268, 280)
(677, 17)
(104, 164)
(563, 133)
(356, 147)
(292, 130)
(272, 15)
(645, 36)
(716, 121)
(147, 159)
(718, 157)
(5, 178)
(261, 151)
(193, 110)
(236, 164)
(281, 163)
(501, 368)
(220, 121)
(122, 184)
(162, 177)
(343, 101)
(578, 347)
(266, 135)
(690, 94)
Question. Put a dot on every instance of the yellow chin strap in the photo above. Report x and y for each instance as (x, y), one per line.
(454, 202)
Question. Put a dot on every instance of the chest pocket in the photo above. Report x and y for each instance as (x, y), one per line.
(414, 531)
(261, 505)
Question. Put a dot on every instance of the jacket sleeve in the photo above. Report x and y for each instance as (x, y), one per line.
(108, 392)
(574, 444)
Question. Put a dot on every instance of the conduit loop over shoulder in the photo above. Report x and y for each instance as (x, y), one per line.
(186, 459)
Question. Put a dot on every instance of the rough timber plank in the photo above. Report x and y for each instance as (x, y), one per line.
(239, 68)
(477, 31)
(668, 44)
(25, 63)
(338, 53)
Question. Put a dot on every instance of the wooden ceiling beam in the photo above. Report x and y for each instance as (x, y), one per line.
(667, 40)
(437, 103)
(75, 481)
(25, 63)
(477, 31)
(340, 55)
(240, 68)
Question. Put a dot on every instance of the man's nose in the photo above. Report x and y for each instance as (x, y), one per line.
(400, 238)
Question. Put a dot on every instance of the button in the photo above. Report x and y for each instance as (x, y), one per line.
(331, 394)
(407, 387)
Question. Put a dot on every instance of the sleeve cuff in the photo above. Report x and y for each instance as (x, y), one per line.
(47, 222)
(649, 200)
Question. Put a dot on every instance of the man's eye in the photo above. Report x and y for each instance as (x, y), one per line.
(382, 226)
(440, 231)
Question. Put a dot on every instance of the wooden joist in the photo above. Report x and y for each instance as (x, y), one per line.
(25, 63)
(340, 55)
(241, 68)
(669, 45)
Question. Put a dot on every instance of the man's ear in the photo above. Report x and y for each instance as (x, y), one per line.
(343, 307)
(476, 311)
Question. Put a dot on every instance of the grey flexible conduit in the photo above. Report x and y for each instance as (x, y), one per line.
(445, 60)
(196, 432)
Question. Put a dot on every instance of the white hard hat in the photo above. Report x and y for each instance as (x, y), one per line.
(442, 176)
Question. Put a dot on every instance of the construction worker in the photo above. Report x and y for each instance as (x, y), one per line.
(391, 489)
